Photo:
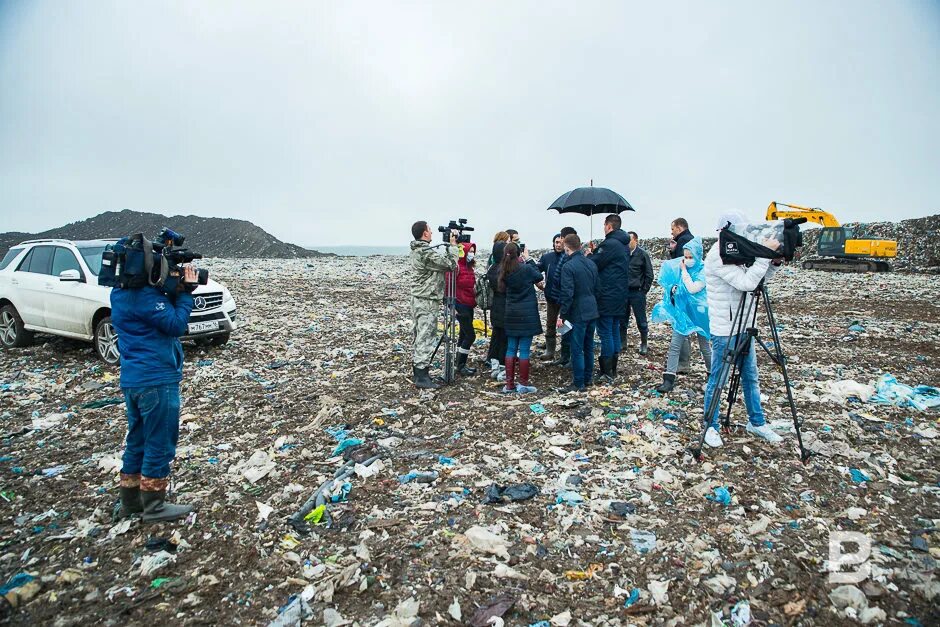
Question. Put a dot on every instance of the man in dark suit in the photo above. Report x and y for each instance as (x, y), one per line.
(641, 280)
(579, 308)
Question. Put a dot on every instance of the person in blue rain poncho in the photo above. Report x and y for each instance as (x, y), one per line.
(684, 306)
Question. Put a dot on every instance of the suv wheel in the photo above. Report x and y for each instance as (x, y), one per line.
(219, 340)
(106, 344)
(12, 333)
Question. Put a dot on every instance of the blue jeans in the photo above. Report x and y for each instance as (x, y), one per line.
(747, 366)
(608, 330)
(582, 352)
(518, 344)
(153, 430)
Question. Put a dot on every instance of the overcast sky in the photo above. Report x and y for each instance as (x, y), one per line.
(343, 123)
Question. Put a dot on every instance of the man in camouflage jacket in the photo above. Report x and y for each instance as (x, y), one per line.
(428, 266)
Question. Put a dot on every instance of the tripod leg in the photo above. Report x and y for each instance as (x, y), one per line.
(781, 361)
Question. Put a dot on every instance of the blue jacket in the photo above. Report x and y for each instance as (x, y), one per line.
(547, 264)
(578, 286)
(613, 267)
(149, 326)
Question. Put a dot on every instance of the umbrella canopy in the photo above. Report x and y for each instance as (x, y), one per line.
(591, 200)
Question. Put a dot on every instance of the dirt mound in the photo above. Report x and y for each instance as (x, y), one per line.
(213, 237)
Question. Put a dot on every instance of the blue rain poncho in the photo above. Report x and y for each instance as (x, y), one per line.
(689, 314)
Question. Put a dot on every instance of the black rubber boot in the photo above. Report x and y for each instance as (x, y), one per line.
(130, 502)
(604, 375)
(462, 367)
(156, 509)
(613, 365)
(623, 338)
(422, 379)
(666, 386)
(564, 357)
(644, 349)
(551, 344)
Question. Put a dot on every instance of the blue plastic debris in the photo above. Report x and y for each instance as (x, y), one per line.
(345, 444)
(16, 581)
(538, 409)
(445, 461)
(418, 477)
(643, 541)
(343, 493)
(858, 476)
(722, 495)
(889, 392)
(569, 497)
(633, 598)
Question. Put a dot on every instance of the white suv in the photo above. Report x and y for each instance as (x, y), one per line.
(51, 286)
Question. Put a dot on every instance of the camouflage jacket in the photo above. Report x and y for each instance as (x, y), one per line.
(428, 266)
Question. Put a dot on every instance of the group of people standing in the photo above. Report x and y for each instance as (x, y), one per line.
(589, 291)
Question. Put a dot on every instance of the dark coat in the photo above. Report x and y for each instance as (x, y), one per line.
(547, 264)
(498, 310)
(522, 306)
(577, 289)
(641, 270)
(613, 269)
(555, 277)
(681, 240)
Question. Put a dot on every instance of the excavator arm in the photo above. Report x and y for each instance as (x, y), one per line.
(816, 215)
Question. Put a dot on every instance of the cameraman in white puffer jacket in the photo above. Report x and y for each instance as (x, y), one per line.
(726, 284)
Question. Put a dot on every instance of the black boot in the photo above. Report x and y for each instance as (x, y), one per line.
(613, 365)
(623, 338)
(423, 380)
(643, 348)
(130, 502)
(666, 386)
(462, 367)
(564, 358)
(156, 509)
(550, 344)
(603, 375)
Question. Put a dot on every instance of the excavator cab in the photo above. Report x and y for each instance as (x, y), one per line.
(832, 241)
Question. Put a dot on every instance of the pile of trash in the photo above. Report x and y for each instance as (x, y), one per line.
(328, 490)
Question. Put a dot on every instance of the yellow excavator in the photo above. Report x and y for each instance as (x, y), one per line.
(838, 249)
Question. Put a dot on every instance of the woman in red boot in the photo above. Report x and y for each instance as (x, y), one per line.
(466, 302)
(518, 276)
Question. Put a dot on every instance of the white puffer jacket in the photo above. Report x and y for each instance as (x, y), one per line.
(725, 284)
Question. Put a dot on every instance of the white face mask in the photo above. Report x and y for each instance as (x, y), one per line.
(470, 257)
(690, 263)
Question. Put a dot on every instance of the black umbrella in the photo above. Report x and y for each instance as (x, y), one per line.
(590, 200)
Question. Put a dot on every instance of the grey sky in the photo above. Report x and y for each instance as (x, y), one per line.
(343, 123)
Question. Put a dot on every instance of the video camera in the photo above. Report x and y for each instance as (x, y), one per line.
(460, 226)
(740, 244)
(135, 262)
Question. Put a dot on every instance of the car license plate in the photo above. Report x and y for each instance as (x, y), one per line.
(202, 327)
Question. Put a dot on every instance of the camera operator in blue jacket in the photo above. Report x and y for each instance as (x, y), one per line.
(149, 322)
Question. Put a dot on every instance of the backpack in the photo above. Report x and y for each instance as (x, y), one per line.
(484, 292)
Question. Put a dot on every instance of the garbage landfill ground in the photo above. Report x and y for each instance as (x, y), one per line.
(328, 490)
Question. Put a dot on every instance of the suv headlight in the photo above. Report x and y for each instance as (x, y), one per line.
(227, 296)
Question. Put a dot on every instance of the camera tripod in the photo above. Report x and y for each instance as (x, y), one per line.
(745, 332)
(449, 337)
